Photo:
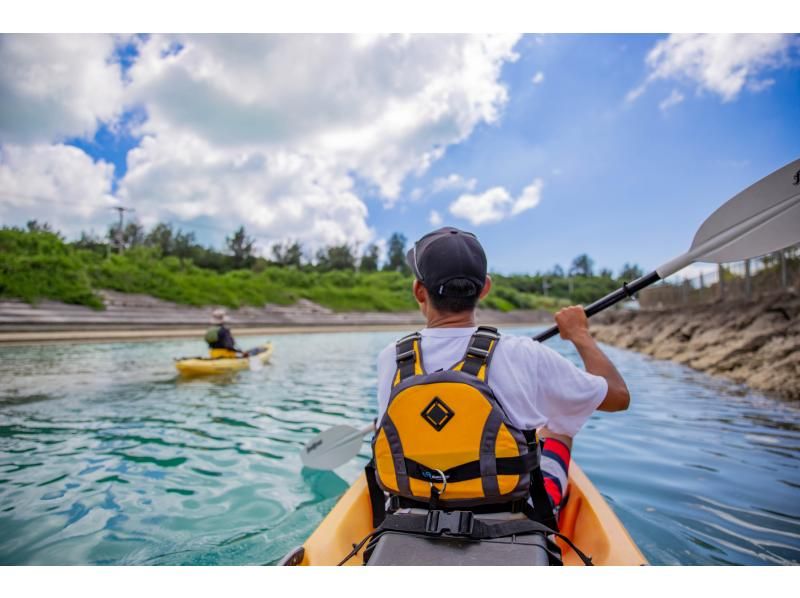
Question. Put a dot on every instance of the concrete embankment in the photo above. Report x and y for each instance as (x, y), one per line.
(756, 343)
(128, 317)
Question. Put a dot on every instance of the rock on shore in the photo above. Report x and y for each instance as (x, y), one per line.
(756, 343)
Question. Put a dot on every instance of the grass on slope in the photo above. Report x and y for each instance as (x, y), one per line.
(40, 265)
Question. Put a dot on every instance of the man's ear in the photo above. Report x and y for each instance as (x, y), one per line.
(487, 286)
(420, 292)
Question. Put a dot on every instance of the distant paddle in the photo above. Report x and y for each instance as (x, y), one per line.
(254, 358)
(334, 447)
(763, 218)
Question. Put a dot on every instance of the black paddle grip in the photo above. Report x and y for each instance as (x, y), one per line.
(625, 291)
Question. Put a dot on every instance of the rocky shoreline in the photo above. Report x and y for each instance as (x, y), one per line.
(756, 343)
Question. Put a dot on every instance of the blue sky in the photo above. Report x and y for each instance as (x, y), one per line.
(613, 145)
(633, 182)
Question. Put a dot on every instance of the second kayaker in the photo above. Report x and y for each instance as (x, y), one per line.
(475, 440)
(219, 338)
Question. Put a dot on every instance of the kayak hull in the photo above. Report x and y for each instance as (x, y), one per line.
(200, 366)
(586, 519)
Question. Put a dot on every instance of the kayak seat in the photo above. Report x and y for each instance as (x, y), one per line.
(395, 548)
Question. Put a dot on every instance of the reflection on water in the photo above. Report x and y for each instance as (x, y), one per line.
(107, 457)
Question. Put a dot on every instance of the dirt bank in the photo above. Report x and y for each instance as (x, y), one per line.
(756, 343)
(129, 317)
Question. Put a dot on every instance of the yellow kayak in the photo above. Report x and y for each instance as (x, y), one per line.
(204, 366)
(586, 519)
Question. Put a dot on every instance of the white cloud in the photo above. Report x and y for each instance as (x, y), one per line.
(529, 198)
(490, 206)
(56, 86)
(496, 204)
(538, 78)
(719, 63)
(452, 182)
(673, 99)
(266, 130)
(57, 184)
(383, 106)
(435, 219)
(757, 86)
(277, 194)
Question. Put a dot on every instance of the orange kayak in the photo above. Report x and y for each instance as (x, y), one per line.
(586, 519)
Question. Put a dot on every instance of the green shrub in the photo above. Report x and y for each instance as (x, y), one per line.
(37, 265)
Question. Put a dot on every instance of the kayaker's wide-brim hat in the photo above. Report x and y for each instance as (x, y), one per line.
(218, 316)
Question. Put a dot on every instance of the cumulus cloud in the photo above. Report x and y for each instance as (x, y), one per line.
(722, 64)
(56, 86)
(266, 130)
(58, 184)
(496, 204)
(452, 182)
(383, 106)
(529, 198)
(435, 219)
(538, 78)
(277, 194)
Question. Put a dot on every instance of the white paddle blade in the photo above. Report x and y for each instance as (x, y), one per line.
(256, 363)
(766, 217)
(332, 448)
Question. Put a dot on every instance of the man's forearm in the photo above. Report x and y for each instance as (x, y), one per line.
(596, 362)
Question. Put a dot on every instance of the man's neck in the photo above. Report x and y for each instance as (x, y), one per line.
(464, 319)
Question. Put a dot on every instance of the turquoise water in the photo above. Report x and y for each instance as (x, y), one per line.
(106, 457)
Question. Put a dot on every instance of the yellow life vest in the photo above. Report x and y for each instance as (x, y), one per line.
(445, 440)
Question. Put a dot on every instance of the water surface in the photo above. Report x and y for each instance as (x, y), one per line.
(106, 457)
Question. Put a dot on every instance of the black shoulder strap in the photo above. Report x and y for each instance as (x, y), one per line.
(408, 357)
(377, 498)
(479, 351)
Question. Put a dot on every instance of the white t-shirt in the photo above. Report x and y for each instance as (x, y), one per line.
(535, 385)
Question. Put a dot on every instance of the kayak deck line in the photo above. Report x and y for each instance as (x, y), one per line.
(586, 519)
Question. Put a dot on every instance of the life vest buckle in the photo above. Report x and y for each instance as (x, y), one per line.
(477, 352)
(406, 355)
(453, 523)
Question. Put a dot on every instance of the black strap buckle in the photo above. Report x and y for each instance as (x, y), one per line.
(477, 352)
(405, 356)
(486, 333)
(454, 523)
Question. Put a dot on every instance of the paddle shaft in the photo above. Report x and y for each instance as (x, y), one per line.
(625, 291)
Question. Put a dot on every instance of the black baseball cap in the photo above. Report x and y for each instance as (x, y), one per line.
(447, 254)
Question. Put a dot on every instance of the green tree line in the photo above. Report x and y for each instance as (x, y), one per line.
(168, 263)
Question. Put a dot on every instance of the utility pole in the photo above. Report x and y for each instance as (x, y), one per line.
(121, 210)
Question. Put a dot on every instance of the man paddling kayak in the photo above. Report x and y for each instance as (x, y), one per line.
(219, 338)
(471, 440)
